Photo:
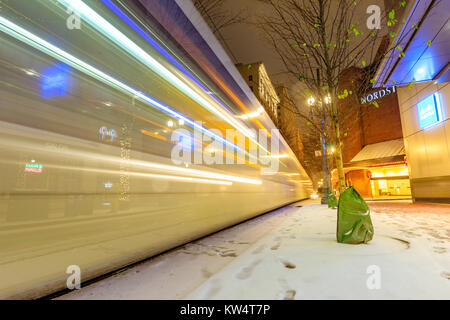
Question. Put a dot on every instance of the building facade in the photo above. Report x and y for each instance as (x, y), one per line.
(258, 80)
(276, 102)
(422, 77)
(373, 151)
(427, 146)
(287, 122)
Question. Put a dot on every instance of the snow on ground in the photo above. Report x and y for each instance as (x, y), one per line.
(292, 253)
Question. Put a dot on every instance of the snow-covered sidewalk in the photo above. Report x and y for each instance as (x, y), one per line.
(292, 253)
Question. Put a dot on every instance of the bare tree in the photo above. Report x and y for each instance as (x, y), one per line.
(317, 40)
(216, 15)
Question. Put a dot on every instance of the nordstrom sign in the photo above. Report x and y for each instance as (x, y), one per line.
(378, 94)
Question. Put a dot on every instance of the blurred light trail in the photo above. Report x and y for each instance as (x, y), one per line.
(139, 163)
(153, 135)
(204, 63)
(23, 35)
(137, 174)
(128, 45)
(255, 114)
(76, 63)
(179, 178)
(202, 173)
(277, 156)
(161, 50)
(114, 8)
(181, 122)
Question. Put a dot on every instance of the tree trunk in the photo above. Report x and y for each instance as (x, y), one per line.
(338, 158)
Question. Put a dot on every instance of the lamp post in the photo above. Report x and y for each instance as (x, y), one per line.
(311, 102)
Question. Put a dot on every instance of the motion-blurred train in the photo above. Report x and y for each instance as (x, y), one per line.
(91, 95)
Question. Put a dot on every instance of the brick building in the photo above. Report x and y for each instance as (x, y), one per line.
(373, 151)
(286, 122)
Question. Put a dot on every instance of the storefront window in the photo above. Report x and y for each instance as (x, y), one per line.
(390, 182)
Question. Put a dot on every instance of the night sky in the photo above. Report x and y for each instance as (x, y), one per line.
(247, 43)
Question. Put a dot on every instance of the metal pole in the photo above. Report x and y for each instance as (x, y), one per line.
(324, 166)
(324, 199)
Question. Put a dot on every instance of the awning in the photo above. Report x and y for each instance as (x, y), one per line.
(392, 150)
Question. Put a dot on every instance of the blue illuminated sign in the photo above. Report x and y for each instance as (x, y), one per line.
(186, 142)
(429, 111)
(111, 133)
(55, 81)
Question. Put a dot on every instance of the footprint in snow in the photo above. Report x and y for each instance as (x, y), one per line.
(287, 263)
(246, 271)
(206, 273)
(440, 249)
(287, 293)
(275, 246)
(212, 289)
(259, 249)
(446, 275)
